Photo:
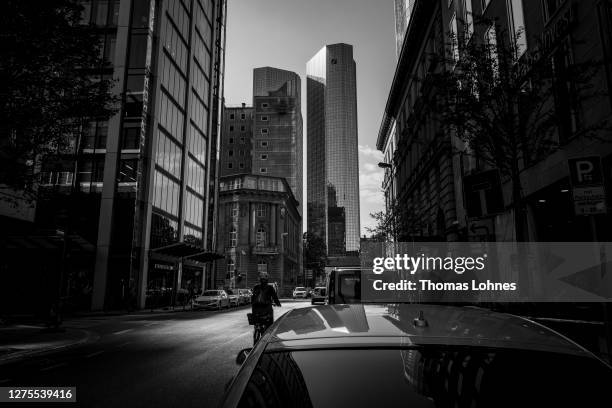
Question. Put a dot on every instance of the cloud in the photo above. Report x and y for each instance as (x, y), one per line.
(369, 152)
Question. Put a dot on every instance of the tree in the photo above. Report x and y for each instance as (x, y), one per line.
(51, 84)
(315, 252)
(399, 223)
(512, 106)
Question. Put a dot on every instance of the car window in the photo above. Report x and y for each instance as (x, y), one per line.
(210, 293)
(426, 377)
(349, 287)
(300, 288)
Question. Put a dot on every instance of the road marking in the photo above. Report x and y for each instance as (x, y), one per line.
(54, 366)
(95, 353)
(123, 331)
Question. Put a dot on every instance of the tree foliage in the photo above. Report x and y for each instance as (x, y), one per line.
(510, 106)
(315, 251)
(51, 82)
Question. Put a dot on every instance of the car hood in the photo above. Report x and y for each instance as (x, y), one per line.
(356, 324)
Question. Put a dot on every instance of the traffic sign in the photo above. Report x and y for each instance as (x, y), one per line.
(588, 191)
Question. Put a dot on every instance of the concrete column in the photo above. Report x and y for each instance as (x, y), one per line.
(113, 154)
(273, 232)
(253, 224)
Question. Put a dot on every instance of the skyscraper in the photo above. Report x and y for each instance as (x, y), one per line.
(136, 199)
(236, 145)
(332, 165)
(277, 127)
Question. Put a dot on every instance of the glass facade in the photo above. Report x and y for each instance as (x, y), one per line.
(333, 168)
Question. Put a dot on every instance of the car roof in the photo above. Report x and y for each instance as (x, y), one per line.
(359, 325)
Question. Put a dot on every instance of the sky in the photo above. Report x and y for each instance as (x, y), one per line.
(287, 33)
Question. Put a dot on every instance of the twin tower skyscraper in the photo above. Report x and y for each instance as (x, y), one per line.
(332, 168)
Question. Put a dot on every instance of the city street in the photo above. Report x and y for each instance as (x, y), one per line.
(173, 359)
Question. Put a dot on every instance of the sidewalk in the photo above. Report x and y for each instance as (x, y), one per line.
(21, 341)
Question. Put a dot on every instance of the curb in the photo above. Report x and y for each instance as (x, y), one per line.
(22, 355)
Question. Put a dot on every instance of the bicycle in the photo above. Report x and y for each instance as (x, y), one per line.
(261, 323)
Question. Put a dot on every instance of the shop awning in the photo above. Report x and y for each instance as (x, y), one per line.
(188, 251)
(75, 243)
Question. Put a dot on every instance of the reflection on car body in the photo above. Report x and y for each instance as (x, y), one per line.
(370, 356)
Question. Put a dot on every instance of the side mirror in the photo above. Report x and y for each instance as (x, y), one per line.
(242, 355)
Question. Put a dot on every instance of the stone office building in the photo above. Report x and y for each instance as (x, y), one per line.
(259, 230)
(431, 183)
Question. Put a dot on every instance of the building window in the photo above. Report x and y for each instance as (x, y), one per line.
(242, 140)
(242, 116)
(469, 19)
(262, 266)
(241, 153)
(235, 210)
(261, 237)
(230, 165)
(233, 237)
(261, 210)
(243, 128)
(231, 266)
(454, 39)
(263, 170)
(231, 128)
(264, 105)
(230, 153)
(264, 143)
(264, 118)
(264, 157)
(264, 131)
(232, 116)
(241, 165)
(517, 26)
(231, 140)
(550, 7)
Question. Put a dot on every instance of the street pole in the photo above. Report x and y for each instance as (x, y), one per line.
(605, 306)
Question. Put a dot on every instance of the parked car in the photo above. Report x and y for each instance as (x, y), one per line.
(319, 294)
(418, 356)
(299, 292)
(212, 299)
(245, 296)
(234, 297)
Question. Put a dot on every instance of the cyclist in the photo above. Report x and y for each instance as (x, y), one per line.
(262, 299)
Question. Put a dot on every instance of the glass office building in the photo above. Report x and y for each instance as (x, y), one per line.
(135, 201)
(332, 162)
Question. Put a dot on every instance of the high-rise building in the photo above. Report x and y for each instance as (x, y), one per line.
(236, 143)
(332, 165)
(277, 127)
(135, 203)
(403, 10)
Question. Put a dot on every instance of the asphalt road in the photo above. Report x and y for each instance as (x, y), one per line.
(180, 359)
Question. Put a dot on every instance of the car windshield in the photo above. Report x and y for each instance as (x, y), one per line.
(426, 377)
(210, 293)
(300, 288)
(320, 291)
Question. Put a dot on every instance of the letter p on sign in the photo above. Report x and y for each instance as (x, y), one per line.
(585, 171)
